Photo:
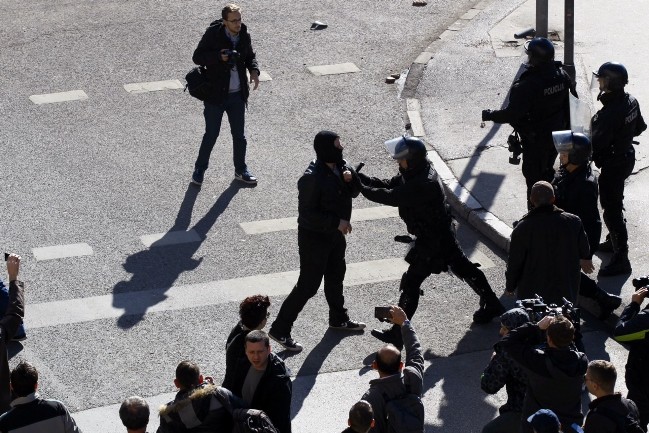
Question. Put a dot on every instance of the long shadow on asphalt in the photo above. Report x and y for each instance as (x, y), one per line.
(161, 266)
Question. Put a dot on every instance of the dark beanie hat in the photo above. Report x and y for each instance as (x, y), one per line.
(326, 151)
(514, 318)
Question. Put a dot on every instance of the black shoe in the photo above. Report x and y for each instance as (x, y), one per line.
(20, 334)
(197, 176)
(388, 336)
(606, 246)
(246, 177)
(286, 342)
(607, 303)
(487, 313)
(349, 325)
(619, 265)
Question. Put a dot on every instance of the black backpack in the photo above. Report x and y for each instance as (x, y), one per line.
(404, 413)
(197, 83)
(246, 420)
(625, 423)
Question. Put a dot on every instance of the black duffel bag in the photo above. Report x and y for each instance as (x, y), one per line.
(197, 83)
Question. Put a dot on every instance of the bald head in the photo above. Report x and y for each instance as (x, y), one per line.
(542, 194)
(388, 360)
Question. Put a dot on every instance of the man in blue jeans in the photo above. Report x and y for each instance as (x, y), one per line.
(225, 50)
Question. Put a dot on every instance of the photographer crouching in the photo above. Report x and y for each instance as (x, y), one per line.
(554, 373)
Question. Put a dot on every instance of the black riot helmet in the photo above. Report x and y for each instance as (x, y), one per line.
(412, 149)
(615, 75)
(539, 50)
(576, 144)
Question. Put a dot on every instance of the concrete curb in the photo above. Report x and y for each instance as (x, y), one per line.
(461, 200)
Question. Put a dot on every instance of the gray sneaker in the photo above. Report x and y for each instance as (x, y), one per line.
(349, 325)
(246, 177)
(286, 342)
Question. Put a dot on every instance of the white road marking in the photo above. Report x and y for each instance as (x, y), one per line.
(263, 76)
(170, 238)
(275, 225)
(62, 251)
(153, 86)
(51, 98)
(182, 297)
(340, 68)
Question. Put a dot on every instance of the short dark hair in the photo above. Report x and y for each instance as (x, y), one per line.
(561, 331)
(187, 374)
(134, 413)
(603, 373)
(229, 8)
(361, 416)
(253, 309)
(24, 378)
(542, 194)
(256, 336)
(390, 365)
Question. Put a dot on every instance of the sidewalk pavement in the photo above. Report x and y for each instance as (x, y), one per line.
(471, 67)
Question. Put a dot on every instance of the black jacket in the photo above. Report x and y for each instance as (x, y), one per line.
(324, 198)
(544, 253)
(12, 319)
(577, 194)
(555, 376)
(273, 393)
(614, 127)
(598, 421)
(32, 414)
(538, 101)
(208, 54)
(504, 371)
(632, 328)
(419, 195)
(235, 353)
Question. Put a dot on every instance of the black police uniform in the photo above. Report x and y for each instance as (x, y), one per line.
(538, 104)
(418, 194)
(613, 129)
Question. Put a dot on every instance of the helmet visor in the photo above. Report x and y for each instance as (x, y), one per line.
(397, 147)
(594, 81)
(562, 140)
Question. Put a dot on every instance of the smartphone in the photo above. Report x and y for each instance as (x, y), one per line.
(6, 256)
(382, 313)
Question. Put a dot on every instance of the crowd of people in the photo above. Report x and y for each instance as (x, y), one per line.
(539, 360)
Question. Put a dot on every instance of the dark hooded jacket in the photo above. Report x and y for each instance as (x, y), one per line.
(208, 54)
(606, 413)
(555, 376)
(273, 393)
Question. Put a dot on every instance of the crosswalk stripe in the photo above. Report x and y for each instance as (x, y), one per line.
(153, 86)
(50, 98)
(339, 68)
(61, 251)
(182, 297)
(170, 238)
(275, 225)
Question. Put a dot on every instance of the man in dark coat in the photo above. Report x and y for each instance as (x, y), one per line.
(225, 50)
(12, 319)
(548, 247)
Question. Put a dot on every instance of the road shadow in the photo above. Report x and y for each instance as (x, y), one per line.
(155, 269)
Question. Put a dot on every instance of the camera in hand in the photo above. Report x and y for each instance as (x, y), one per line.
(233, 56)
(382, 313)
(515, 147)
(641, 282)
(537, 309)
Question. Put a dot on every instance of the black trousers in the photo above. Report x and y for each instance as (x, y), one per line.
(637, 382)
(539, 155)
(611, 195)
(322, 255)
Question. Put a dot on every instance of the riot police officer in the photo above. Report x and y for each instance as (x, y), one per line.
(613, 129)
(538, 104)
(419, 195)
(576, 192)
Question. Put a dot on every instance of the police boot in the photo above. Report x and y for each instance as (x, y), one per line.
(607, 303)
(606, 246)
(619, 264)
(490, 307)
(389, 336)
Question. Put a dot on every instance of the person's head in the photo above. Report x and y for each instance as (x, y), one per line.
(539, 51)
(387, 360)
(410, 152)
(600, 378)
(574, 149)
(560, 332)
(231, 15)
(24, 379)
(327, 147)
(257, 349)
(188, 375)
(545, 421)
(542, 194)
(611, 76)
(361, 417)
(134, 413)
(254, 311)
(512, 319)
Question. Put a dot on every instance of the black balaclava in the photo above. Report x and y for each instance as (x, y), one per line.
(325, 149)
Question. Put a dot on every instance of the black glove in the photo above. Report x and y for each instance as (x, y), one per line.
(486, 115)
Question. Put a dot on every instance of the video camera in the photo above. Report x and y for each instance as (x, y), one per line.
(233, 56)
(537, 309)
(641, 282)
(515, 147)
